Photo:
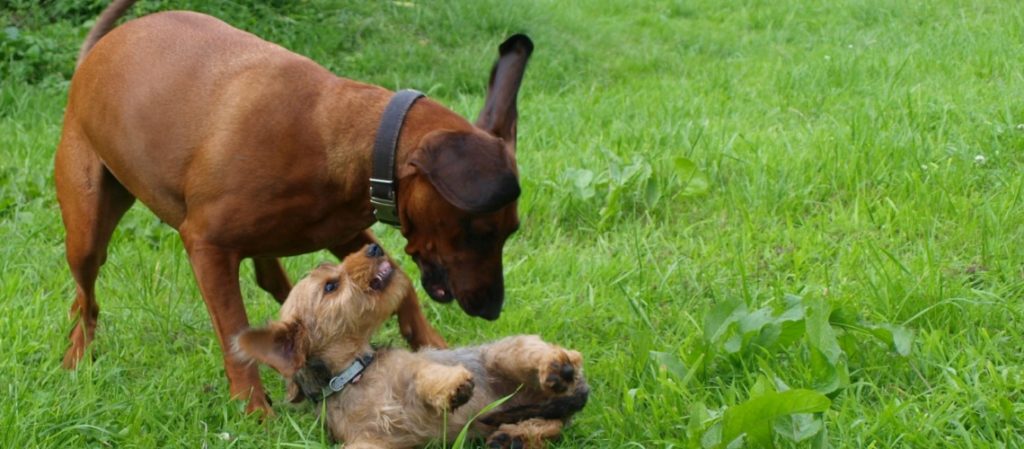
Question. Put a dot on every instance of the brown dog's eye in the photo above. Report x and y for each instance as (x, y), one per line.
(330, 286)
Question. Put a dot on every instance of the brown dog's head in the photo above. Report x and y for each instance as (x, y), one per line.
(330, 313)
(458, 192)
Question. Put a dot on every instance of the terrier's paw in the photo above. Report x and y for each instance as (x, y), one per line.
(560, 371)
(462, 394)
(445, 387)
(502, 440)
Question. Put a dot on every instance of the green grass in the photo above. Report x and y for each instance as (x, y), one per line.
(865, 155)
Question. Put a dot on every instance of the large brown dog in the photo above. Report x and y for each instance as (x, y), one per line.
(251, 151)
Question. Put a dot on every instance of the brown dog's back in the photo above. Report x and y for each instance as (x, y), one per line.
(199, 90)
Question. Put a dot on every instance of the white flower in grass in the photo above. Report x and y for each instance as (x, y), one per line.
(1020, 127)
(980, 159)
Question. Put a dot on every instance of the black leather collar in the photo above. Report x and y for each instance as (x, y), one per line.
(383, 185)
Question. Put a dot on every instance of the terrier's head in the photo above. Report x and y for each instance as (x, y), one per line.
(330, 314)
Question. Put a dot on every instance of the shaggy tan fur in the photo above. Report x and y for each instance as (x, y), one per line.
(406, 399)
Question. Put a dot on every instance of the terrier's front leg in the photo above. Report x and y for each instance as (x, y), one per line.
(444, 387)
(365, 444)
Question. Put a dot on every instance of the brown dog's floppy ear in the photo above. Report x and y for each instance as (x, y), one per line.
(473, 172)
(280, 345)
(499, 114)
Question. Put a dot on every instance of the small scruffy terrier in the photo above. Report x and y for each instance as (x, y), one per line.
(393, 398)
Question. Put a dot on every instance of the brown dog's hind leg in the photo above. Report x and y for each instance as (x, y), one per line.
(411, 322)
(270, 276)
(529, 434)
(216, 272)
(91, 204)
(536, 364)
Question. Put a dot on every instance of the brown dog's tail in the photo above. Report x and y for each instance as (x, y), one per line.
(104, 23)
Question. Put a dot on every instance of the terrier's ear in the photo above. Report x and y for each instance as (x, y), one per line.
(281, 345)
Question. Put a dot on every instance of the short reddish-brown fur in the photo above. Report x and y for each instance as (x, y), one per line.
(251, 151)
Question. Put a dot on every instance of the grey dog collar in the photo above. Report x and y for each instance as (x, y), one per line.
(348, 376)
(383, 186)
(317, 382)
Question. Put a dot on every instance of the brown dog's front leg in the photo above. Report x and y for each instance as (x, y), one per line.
(216, 272)
(411, 322)
(270, 276)
(414, 326)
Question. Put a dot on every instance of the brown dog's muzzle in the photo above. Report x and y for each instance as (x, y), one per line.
(479, 296)
(486, 301)
(434, 279)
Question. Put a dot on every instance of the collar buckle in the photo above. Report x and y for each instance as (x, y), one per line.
(383, 185)
(349, 376)
(382, 197)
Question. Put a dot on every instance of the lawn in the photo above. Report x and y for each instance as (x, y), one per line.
(736, 210)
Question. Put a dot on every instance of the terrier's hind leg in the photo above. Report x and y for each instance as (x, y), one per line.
(529, 360)
(529, 434)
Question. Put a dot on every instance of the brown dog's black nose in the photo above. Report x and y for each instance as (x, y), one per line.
(374, 250)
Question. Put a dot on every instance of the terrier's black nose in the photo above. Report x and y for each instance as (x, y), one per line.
(374, 250)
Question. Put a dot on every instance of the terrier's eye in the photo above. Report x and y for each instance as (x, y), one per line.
(330, 286)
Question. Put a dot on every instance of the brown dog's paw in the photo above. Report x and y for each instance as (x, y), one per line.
(502, 440)
(260, 405)
(561, 372)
